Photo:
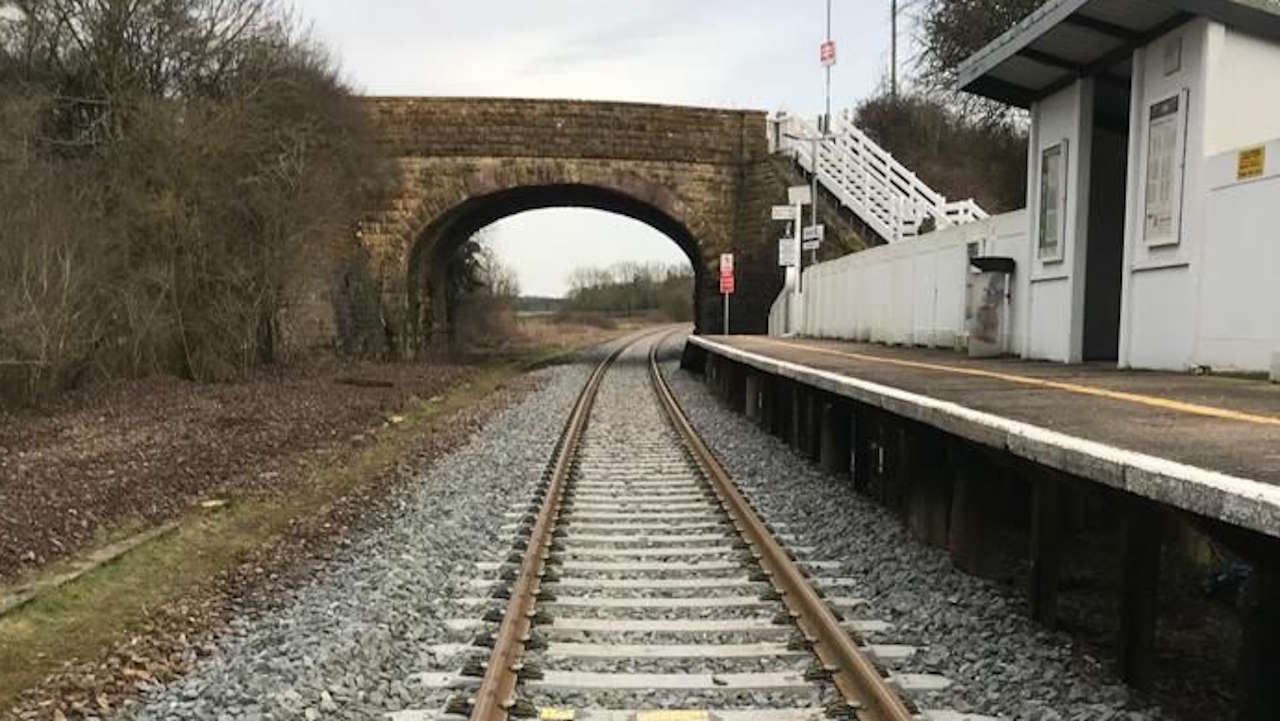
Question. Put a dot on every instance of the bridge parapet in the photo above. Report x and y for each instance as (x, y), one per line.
(513, 127)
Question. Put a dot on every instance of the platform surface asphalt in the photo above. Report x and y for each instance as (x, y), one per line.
(1225, 425)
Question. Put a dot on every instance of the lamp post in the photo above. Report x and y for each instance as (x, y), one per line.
(893, 49)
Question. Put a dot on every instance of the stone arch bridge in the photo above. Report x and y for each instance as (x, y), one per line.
(701, 176)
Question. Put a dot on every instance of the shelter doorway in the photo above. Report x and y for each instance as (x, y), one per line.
(1104, 241)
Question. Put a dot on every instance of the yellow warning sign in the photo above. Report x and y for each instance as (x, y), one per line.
(1251, 163)
(673, 715)
(556, 714)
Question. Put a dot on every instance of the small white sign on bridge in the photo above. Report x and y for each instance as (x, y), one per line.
(784, 212)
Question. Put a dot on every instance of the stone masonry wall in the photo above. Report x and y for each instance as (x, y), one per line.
(706, 170)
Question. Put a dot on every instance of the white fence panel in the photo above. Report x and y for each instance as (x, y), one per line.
(910, 293)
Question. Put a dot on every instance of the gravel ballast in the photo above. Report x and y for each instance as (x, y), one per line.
(968, 629)
(349, 643)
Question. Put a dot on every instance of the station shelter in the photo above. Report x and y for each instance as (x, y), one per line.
(1153, 194)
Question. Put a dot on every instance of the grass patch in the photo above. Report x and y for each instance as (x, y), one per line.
(84, 619)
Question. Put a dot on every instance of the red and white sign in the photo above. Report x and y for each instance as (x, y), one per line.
(726, 273)
(726, 284)
(827, 53)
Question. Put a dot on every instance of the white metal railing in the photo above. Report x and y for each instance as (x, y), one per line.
(865, 178)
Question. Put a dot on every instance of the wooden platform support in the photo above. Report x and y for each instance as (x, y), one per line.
(860, 448)
(813, 445)
(968, 528)
(1046, 545)
(834, 453)
(783, 397)
(1143, 540)
(751, 396)
(902, 469)
(1260, 648)
(738, 387)
(928, 493)
(806, 421)
(768, 402)
(799, 411)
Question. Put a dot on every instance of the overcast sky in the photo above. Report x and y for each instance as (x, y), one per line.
(727, 53)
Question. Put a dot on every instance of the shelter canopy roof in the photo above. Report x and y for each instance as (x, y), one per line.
(1063, 40)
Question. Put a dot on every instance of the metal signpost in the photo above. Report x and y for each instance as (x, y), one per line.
(827, 57)
(726, 284)
(789, 248)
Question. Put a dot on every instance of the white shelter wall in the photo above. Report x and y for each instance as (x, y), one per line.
(1239, 323)
(908, 293)
(1246, 107)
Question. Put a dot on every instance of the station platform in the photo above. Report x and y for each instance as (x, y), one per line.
(1209, 445)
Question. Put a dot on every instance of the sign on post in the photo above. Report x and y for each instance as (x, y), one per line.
(784, 212)
(813, 236)
(726, 273)
(726, 285)
(788, 252)
(827, 53)
(800, 195)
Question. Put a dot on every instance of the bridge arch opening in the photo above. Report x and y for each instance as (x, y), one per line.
(429, 305)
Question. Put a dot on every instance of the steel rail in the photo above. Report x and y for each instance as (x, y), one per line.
(496, 694)
(857, 679)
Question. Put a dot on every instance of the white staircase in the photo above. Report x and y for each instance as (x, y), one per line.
(866, 179)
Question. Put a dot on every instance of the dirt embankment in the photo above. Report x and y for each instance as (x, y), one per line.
(141, 452)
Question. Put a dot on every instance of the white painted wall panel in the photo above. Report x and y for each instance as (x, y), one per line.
(1158, 323)
(1049, 304)
(902, 311)
(1239, 313)
(1246, 107)
(1162, 300)
(948, 320)
(925, 302)
(1065, 116)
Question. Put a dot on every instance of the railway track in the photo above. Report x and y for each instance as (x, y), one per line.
(642, 586)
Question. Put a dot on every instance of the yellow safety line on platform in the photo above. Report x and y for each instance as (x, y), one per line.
(1153, 401)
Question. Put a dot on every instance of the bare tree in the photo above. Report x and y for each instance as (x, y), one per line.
(164, 165)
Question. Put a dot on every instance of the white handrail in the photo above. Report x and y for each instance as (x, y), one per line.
(867, 179)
